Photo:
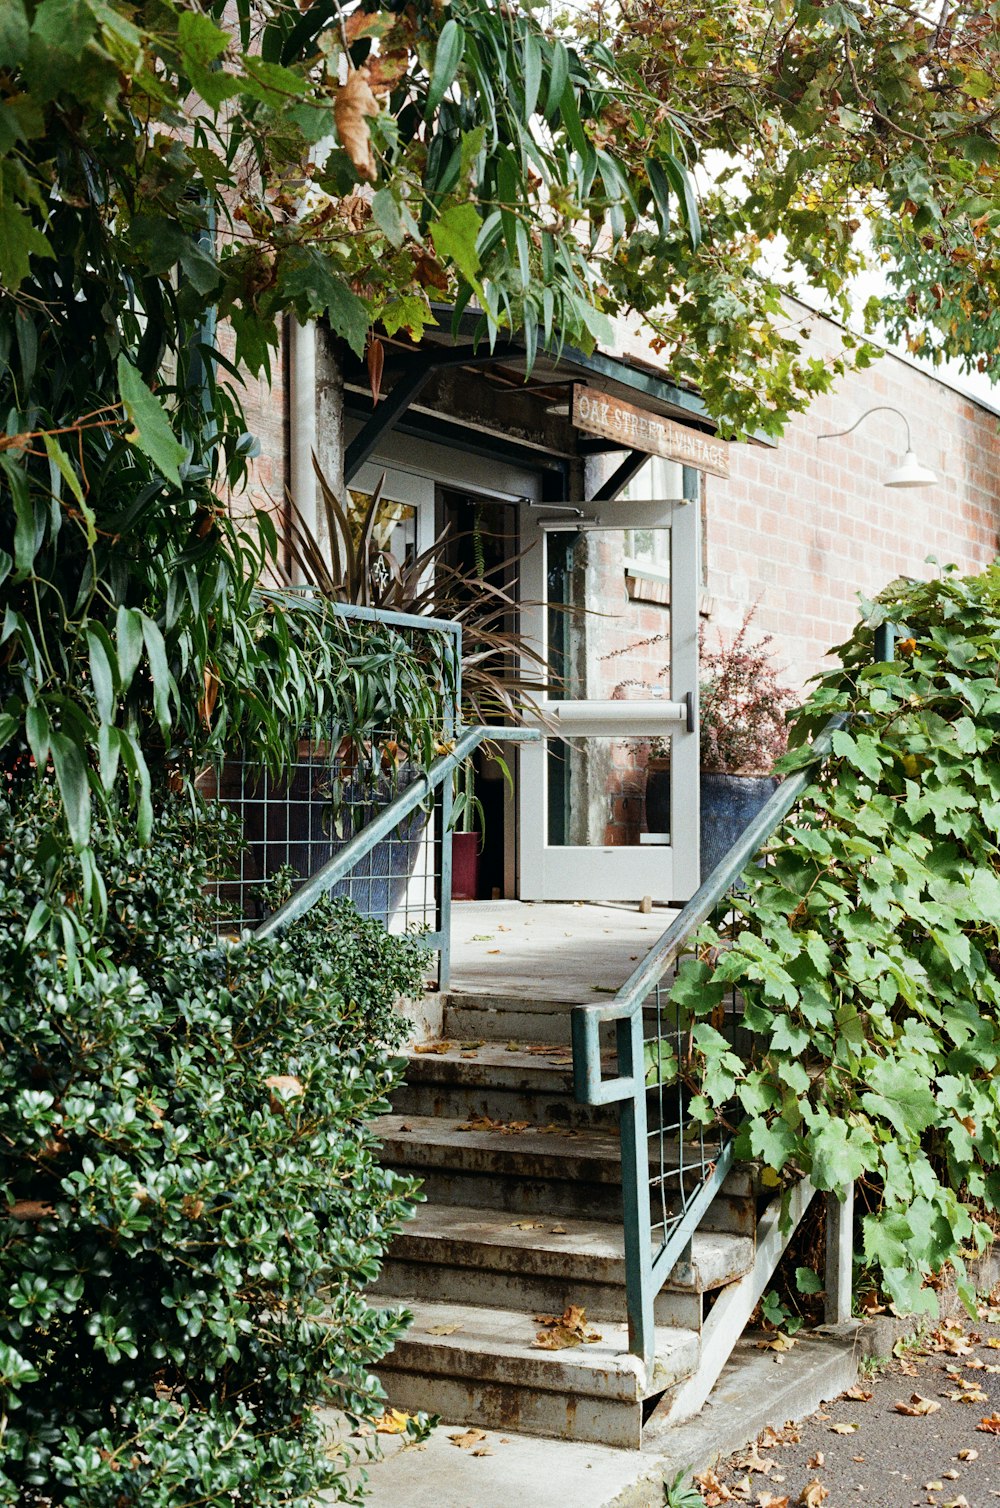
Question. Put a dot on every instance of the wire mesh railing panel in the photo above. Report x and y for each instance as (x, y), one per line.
(296, 822)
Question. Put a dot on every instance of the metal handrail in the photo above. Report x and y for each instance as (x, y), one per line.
(388, 819)
(646, 1270)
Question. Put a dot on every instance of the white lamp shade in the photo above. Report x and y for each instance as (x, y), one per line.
(910, 473)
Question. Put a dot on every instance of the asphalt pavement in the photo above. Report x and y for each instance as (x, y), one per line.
(923, 1429)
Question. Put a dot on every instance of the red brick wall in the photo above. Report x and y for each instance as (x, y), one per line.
(802, 528)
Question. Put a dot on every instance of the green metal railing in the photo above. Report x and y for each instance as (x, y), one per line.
(382, 840)
(673, 1166)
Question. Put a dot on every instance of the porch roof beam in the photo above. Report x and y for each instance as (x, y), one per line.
(620, 477)
(402, 394)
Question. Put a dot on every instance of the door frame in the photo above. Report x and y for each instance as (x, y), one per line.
(668, 873)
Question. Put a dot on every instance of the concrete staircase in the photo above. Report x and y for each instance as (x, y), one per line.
(523, 1217)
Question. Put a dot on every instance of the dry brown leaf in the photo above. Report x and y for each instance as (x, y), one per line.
(754, 1461)
(557, 1230)
(443, 1329)
(30, 1209)
(934, 1486)
(951, 1476)
(907, 1369)
(527, 1225)
(468, 1439)
(438, 1047)
(917, 1406)
(816, 1461)
(813, 1494)
(562, 1332)
(959, 1502)
(768, 1500)
(283, 1087)
(858, 1393)
(990, 1425)
(859, 1459)
(968, 1454)
(843, 1429)
(712, 1490)
(353, 104)
(951, 1339)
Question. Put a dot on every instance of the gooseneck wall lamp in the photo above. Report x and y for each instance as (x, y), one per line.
(909, 472)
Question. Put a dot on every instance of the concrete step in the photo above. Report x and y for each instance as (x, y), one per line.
(508, 1081)
(558, 1172)
(487, 1257)
(497, 1017)
(480, 1366)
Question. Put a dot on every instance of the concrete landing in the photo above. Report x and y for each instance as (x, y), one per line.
(567, 951)
(754, 1391)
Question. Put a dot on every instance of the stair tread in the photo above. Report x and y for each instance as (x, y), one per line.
(439, 1141)
(527, 1065)
(496, 1345)
(584, 1250)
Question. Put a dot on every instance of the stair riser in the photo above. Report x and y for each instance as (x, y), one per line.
(508, 1408)
(464, 1102)
(529, 1292)
(472, 1023)
(531, 1196)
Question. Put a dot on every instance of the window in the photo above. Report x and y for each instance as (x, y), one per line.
(647, 551)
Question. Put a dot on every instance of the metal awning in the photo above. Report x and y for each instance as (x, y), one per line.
(409, 401)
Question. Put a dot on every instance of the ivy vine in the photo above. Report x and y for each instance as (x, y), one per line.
(865, 950)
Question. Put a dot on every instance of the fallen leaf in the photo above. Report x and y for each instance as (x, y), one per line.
(959, 1502)
(908, 1369)
(392, 1422)
(968, 1455)
(934, 1486)
(951, 1339)
(843, 1429)
(712, 1490)
(768, 1500)
(858, 1393)
(557, 1230)
(468, 1439)
(484, 1450)
(471, 1046)
(353, 103)
(990, 1425)
(816, 1461)
(781, 1342)
(951, 1476)
(813, 1494)
(859, 1459)
(438, 1047)
(754, 1461)
(561, 1332)
(917, 1406)
(527, 1225)
(443, 1329)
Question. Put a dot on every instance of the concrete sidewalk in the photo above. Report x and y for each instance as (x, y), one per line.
(522, 1471)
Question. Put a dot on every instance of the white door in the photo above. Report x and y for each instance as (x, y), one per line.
(611, 590)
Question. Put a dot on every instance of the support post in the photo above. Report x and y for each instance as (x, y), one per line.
(635, 1196)
(839, 1256)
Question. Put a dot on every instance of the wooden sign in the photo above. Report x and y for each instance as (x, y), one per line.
(613, 419)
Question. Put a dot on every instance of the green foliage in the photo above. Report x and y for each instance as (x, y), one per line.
(681, 1491)
(193, 1199)
(831, 138)
(867, 952)
(160, 171)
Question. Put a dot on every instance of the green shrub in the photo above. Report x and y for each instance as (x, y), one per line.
(867, 953)
(194, 1203)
